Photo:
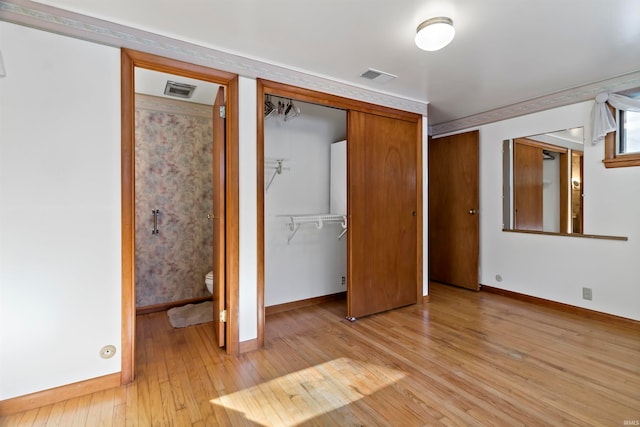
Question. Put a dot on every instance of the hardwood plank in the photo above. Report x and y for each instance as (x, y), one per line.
(56, 413)
(29, 417)
(102, 407)
(466, 358)
(131, 408)
(43, 416)
(82, 411)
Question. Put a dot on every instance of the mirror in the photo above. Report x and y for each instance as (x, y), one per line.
(543, 182)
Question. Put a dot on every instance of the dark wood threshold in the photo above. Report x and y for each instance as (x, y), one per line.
(167, 305)
(567, 308)
(304, 303)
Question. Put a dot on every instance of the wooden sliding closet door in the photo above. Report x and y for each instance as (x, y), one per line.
(383, 207)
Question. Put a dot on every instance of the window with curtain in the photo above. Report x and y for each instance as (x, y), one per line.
(622, 139)
(629, 132)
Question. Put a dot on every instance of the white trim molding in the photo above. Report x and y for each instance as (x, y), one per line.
(47, 18)
(547, 102)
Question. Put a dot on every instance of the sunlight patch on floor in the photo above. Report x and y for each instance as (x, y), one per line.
(303, 395)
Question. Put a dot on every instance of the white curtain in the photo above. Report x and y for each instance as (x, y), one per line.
(603, 120)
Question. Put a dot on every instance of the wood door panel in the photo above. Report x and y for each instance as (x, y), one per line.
(453, 210)
(382, 238)
(219, 215)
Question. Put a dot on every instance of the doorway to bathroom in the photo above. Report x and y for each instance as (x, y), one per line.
(174, 196)
(179, 186)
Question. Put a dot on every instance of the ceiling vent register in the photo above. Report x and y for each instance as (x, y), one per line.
(377, 76)
(179, 90)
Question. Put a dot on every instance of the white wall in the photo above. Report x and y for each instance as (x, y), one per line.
(60, 266)
(248, 223)
(556, 267)
(314, 261)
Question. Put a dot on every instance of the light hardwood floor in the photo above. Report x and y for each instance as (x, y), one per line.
(465, 358)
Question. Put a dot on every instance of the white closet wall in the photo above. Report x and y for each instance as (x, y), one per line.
(338, 179)
(313, 262)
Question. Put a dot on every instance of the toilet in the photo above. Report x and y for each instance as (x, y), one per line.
(208, 280)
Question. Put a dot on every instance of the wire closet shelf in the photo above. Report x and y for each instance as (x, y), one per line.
(319, 220)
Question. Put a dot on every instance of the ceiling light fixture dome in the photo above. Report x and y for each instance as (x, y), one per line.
(435, 33)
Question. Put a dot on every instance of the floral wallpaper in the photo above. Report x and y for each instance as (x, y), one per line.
(173, 163)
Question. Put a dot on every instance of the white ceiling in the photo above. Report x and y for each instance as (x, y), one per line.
(504, 52)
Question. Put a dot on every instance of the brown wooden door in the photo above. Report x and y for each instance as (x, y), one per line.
(219, 215)
(382, 207)
(527, 185)
(453, 210)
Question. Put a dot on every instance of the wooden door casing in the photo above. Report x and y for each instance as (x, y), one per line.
(129, 60)
(219, 214)
(453, 209)
(383, 177)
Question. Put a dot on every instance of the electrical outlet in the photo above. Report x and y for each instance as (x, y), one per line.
(344, 281)
(587, 294)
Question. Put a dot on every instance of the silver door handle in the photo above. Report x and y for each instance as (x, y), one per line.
(155, 213)
(472, 211)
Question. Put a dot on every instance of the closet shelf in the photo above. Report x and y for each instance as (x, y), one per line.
(295, 221)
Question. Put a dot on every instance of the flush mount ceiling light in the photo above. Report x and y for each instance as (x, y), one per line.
(435, 33)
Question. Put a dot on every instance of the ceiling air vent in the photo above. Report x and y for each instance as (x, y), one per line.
(377, 76)
(180, 90)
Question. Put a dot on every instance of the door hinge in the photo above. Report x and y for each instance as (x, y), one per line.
(223, 316)
(223, 112)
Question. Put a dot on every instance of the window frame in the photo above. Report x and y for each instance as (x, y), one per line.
(613, 159)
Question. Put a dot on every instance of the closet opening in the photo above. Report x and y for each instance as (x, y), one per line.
(305, 204)
(380, 253)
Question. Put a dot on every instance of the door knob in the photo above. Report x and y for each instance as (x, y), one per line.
(472, 211)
